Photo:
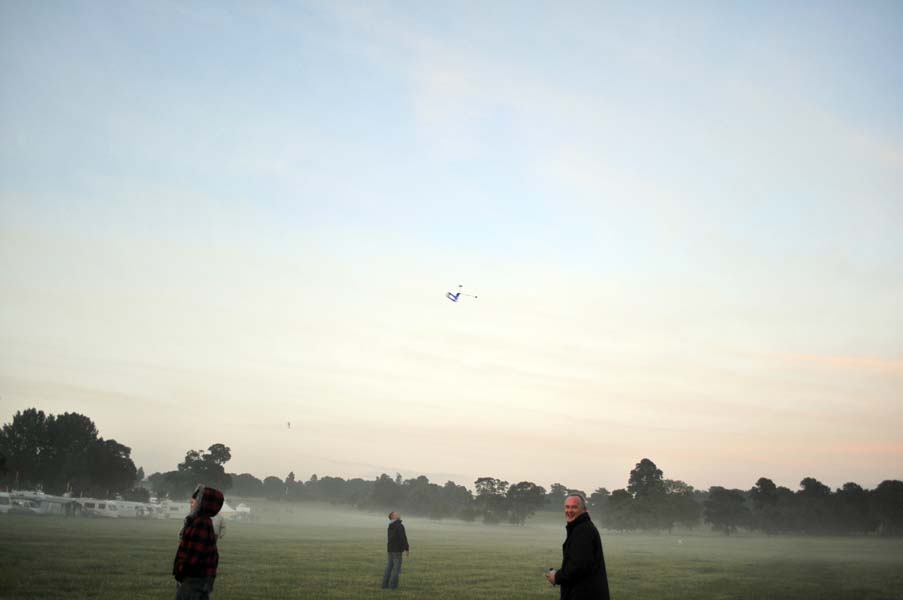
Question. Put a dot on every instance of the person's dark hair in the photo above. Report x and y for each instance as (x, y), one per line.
(390, 514)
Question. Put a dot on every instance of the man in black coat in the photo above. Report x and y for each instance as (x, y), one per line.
(582, 574)
(398, 543)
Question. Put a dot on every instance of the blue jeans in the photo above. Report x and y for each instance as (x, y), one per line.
(393, 570)
(195, 588)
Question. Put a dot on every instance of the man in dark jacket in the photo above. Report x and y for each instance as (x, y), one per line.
(582, 574)
(398, 543)
(196, 559)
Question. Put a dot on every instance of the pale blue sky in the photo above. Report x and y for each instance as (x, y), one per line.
(683, 222)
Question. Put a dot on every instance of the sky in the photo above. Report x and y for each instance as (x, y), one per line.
(682, 222)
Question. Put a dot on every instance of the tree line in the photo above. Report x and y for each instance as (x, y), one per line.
(64, 453)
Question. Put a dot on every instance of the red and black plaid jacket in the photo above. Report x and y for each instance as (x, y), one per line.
(197, 555)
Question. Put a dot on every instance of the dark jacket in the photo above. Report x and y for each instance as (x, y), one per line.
(398, 539)
(582, 574)
(197, 555)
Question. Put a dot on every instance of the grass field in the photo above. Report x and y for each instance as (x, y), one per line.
(304, 551)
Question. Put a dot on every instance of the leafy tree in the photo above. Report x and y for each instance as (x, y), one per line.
(814, 506)
(555, 497)
(598, 501)
(64, 452)
(647, 485)
(887, 504)
(273, 487)
(246, 485)
(680, 505)
(524, 499)
(725, 510)
(621, 514)
(491, 499)
(852, 510)
(386, 493)
(646, 480)
(25, 444)
(764, 498)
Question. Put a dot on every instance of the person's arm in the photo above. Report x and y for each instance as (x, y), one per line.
(579, 558)
(404, 538)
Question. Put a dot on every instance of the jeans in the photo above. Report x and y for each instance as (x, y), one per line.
(195, 588)
(393, 570)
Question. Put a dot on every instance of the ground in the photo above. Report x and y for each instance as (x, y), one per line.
(324, 552)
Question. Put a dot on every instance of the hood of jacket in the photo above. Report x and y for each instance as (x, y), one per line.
(208, 501)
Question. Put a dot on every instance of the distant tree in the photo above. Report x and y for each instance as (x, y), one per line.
(205, 468)
(725, 510)
(887, 506)
(491, 499)
(852, 510)
(423, 498)
(458, 498)
(524, 499)
(814, 506)
(598, 501)
(386, 493)
(137, 494)
(273, 487)
(555, 497)
(621, 514)
(764, 498)
(647, 485)
(646, 480)
(246, 485)
(64, 453)
(680, 505)
(110, 469)
(26, 446)
(140, 476)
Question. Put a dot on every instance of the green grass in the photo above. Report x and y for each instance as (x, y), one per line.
(303, 551)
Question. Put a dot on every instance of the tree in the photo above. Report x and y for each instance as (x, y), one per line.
(621, 515)
(555, 497)
(680, 505)
(648, 488)
(887, 504)
(814, 503)
(273, 487)
(491, 499)
(725, 510)
(598, 501)
(853, 513)
(764, 498)
(64, 453)
(206, 468)
(646, 480)
(246, 485)
(25, 444)
(524, 499)
(386, 493)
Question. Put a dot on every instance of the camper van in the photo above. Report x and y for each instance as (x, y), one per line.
(98, 508)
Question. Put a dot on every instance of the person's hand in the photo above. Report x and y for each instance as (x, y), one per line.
(551, 576)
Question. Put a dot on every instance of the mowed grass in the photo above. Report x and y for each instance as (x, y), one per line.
(309, 551)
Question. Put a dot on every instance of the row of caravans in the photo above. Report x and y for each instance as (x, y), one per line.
(45, 504)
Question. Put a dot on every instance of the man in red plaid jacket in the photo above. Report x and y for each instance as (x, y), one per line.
(196, 559)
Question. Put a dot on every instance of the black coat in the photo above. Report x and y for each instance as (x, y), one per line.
(582, 574)
(398, 539)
